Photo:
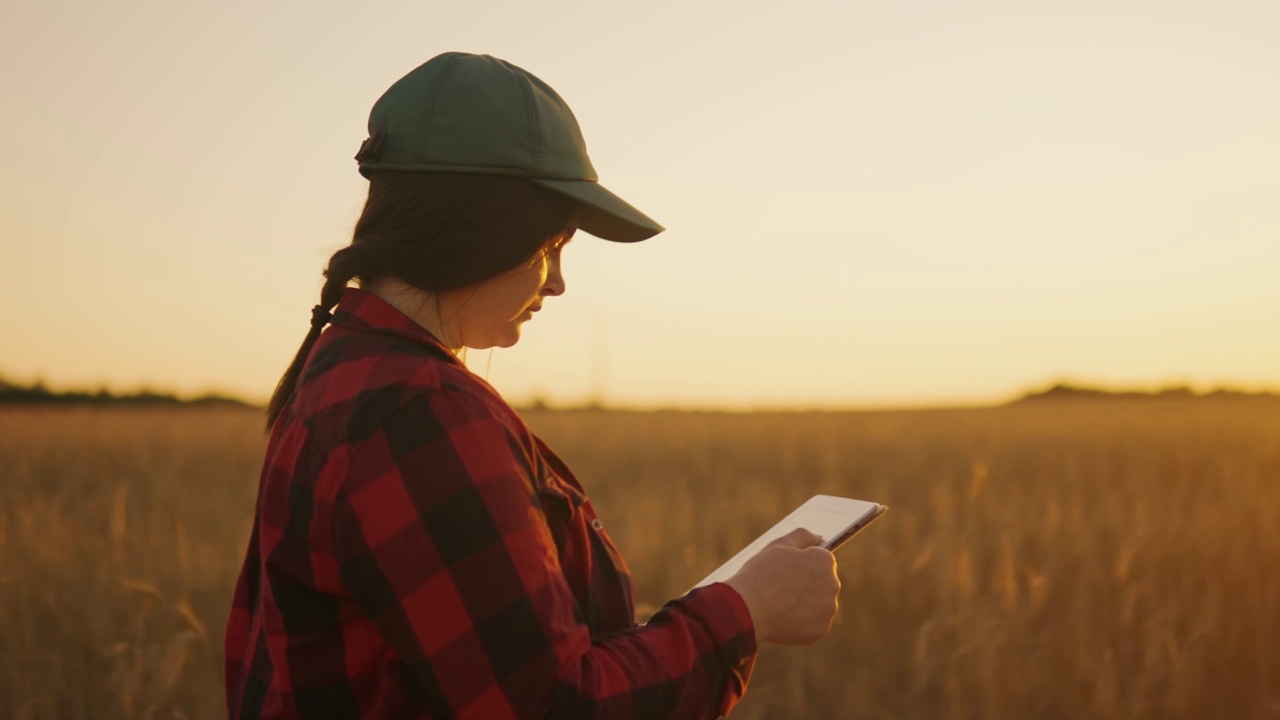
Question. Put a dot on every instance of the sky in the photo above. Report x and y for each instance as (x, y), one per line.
(868, 203)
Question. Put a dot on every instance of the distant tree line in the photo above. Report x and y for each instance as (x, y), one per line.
(37, 393)
(1063, 391)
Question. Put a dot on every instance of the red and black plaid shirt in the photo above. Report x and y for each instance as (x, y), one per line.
(418, 553)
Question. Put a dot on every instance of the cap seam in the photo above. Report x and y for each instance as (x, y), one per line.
(428, 112)
(535, 128)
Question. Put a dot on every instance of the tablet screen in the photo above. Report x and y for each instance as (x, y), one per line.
(825, 523)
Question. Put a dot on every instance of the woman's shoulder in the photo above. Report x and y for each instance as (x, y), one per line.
(355, 384)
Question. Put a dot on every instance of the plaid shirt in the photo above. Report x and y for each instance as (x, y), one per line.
(418, 553)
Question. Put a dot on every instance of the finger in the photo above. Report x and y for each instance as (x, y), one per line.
(799, 538)
(821, 554)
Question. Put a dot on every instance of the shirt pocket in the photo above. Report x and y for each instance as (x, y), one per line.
(560, 503)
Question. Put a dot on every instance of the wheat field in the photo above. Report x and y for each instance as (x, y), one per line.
(1099, 559)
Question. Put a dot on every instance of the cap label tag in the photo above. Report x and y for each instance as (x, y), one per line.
(371, 147)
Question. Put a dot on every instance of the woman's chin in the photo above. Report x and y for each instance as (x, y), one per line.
(503, 337)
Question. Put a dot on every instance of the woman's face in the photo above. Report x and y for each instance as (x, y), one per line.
(490, 314)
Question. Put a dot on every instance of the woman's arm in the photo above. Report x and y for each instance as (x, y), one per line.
(439, 536)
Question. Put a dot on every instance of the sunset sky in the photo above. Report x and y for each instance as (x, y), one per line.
(868, 203)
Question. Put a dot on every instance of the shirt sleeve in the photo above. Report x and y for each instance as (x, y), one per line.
(440, 538)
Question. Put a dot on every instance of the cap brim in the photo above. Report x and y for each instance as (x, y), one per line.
(604, 214)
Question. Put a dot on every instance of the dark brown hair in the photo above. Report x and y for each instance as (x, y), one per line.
(435, 231)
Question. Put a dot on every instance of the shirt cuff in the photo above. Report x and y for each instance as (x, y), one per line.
(724, 614)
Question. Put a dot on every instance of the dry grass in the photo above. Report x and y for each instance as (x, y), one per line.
(1092, 560)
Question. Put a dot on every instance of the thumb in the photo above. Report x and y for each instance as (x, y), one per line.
(799, 538)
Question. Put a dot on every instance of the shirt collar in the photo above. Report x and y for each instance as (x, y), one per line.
(363, 311)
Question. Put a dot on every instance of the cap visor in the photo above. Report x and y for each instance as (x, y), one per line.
(604, 214)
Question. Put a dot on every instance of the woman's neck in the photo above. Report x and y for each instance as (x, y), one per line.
(424, 308)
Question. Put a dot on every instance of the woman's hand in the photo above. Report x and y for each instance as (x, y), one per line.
(791, 589)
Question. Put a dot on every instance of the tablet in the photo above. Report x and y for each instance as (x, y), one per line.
(835, 519)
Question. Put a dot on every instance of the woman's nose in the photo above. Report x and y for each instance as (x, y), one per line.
(554, 284)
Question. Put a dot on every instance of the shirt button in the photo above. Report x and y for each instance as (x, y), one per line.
(596, 524)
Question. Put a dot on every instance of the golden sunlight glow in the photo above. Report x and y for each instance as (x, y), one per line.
(868, 203)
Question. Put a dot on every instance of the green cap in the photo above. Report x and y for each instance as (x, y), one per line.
(477, 114)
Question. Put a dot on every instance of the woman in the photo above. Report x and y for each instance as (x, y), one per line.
(417, 551)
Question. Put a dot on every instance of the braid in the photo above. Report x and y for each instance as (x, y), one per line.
(348, 263)
(345, 265)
